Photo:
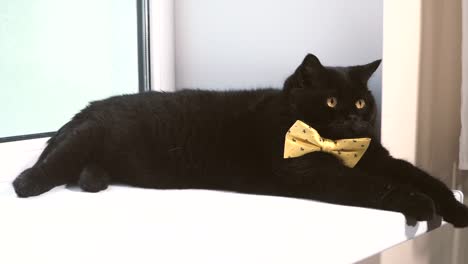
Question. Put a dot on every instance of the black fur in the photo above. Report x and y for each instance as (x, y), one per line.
(234, 140)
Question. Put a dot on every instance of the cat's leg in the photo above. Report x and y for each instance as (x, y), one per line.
(62, 164)
(447, 206)
(55, 139)
(93, 178)
(320, 176)
(377, 161)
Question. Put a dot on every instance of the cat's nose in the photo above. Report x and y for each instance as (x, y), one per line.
(354, 118)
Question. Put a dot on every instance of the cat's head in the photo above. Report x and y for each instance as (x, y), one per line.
(334, 100)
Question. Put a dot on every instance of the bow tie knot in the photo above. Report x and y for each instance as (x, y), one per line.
(327, 144)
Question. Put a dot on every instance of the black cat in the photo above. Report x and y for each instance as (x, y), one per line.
(234, 141)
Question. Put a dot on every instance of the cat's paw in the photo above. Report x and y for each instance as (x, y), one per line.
(457, 215)
(93, 179)
(93, 185)
(413, 205)
(419, 206)
(29, 183)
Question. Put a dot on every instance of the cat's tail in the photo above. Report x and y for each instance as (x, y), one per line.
(64, 157)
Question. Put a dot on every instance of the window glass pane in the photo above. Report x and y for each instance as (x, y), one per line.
(57, 55)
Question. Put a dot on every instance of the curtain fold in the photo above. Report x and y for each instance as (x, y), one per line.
(463, 164)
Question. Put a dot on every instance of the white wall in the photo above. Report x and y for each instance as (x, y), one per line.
(257, 43)
(401, 77)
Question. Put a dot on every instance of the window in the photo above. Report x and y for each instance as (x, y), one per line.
(57, 55)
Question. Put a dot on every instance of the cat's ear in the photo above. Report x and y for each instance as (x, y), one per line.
(311, 65)
(306, 75)
(364, 72)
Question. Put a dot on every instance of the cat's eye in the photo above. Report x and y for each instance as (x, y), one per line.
(360, 104)
(332, 101)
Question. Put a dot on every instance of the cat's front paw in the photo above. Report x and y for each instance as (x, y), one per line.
(457, 215)
(413, 205)
(29, 183)
(419, 206)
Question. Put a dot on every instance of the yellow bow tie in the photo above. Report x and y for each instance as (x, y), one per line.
(302, 139)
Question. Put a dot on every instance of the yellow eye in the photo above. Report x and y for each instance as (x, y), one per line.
(331, 102)
(360, 104)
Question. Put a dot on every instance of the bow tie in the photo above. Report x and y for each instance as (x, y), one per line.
(302, 139)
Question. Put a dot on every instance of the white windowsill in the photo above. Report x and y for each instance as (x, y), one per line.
(134, 225)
